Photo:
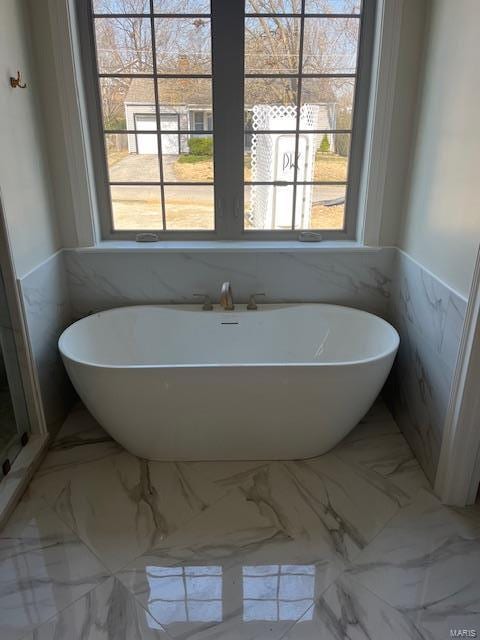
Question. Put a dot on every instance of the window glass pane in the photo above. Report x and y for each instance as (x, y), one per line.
(272, 45)
(247, 159)
(124, 99)
(331, 156)
(181, 6)
(132, 158)
(128, 103)
(332, 99)
(136, 207)
(124, 45)
(197, 122)
(324, 207)
(183, 45)
(277, 6)
(260, 610)
(332, 6)
(189, 207)
(121, 6)
(330, 45)
(271, 157)
(194, 163)
(263, 96)
(268, 207)
(185, 97)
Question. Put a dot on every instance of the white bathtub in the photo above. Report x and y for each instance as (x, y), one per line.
(179, 383)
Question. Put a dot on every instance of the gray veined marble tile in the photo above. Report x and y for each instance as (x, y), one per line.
(121, 505)
(382, 456)
(419, 392)
(46, 300)
(348, 611)
(360, 280)
(108, 612)
(229, 474)
(324, 500)
(80, 440)
(102, 280)
(429, 317)
(340, 497)
(28, 507)
(44, 567)
(425, 563)
(433, 309)
(233, 572)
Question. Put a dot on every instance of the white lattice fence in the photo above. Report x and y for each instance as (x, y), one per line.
(264, 164)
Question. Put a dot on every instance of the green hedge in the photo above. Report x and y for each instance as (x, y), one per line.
(200, 146)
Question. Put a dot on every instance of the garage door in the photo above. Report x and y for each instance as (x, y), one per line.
(148, 143)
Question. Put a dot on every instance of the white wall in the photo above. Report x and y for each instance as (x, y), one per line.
(441, 228)
(48, 95)
(24, 174)
(412, 40)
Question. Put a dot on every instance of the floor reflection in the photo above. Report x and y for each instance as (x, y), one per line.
(185, 594)
(196, 594)
(277, 592)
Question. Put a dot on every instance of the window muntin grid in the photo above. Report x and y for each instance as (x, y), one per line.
(277, 592)
(185, 594)
(227, 197)
(148, 77)
(297, 74)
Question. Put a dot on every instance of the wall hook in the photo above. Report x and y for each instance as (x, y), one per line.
(16, 82)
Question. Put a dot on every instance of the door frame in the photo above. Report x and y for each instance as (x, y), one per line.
(458, 475)
(25, 358)
(15, 482)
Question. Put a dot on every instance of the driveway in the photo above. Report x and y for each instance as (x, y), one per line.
(144, 168)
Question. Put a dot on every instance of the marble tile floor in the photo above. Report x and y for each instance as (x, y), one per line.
(350, 545)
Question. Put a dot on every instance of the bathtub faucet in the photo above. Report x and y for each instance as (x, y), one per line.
(226, 299)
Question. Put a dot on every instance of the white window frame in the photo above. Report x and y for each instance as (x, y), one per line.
(79, 153)
(227, 27)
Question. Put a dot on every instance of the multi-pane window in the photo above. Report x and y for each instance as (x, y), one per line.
(270, 93)
(300, 72)
(155, 74)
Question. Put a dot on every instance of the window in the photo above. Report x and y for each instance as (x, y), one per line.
(238, 119)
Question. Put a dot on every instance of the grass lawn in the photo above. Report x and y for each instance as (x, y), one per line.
(330, 168)
(327, 217)
(148, 215)
(182, 213)
(190, 168)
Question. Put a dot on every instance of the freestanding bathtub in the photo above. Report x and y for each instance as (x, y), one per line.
(179, 383)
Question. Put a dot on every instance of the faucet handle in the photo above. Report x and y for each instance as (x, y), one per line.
(252, 303)
(207, 302)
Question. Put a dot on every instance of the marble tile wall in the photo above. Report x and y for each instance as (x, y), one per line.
(100, 280)
(46, 301)
(429, 317)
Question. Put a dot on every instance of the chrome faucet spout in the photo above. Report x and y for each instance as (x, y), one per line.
(226, 298)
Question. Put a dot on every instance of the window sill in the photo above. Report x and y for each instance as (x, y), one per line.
(229, 246)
